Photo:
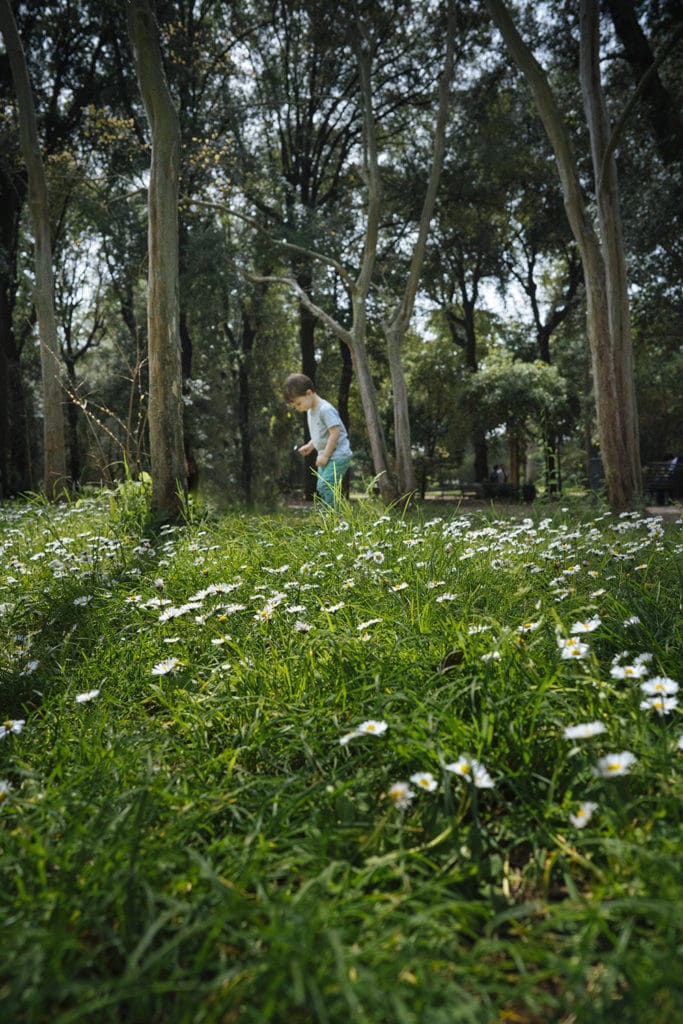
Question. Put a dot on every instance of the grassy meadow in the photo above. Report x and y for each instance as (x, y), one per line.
(375, 768)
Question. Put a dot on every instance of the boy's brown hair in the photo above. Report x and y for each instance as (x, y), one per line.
(296, 385)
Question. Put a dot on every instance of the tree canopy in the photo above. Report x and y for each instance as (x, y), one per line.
(371, 193)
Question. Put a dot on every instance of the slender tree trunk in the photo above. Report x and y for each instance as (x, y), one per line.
(249, 330)
(607, 304)
(14, 436)
(169, 479)
(186, 354)
(186, 350)
(72, 420)
(54, 431)
(396, 326)
(14, 444)
(480, 447)
(366, 387)
(405, 469)
(468, 342)
(624, 478)
(304, 276)
(343, 399)
(368, 397)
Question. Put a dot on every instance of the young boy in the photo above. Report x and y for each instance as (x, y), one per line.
(328, 436)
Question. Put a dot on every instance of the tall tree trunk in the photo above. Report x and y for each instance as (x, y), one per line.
(479, 444)
(361, 289)
(169, 480)
(544, 332)
(54, 431)
(396, 326)
(607, 303)
(625, 484)
(186, 354)
(343, 399)
(468, 342)
(368, 397)
(403, 456)
(72, 422)
(304, 276)
(14, 445)
(248, 338)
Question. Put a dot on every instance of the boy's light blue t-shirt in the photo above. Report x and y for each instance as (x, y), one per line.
(320, 420)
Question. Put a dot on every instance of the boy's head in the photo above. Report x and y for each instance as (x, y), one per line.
(297, 385)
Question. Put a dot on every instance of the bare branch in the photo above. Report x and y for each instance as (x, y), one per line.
(626, 112)
(312, 253)
(295, 287)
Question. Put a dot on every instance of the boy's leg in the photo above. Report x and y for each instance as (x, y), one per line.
(329, 481)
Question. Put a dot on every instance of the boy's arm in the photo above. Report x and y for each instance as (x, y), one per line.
(332, 442)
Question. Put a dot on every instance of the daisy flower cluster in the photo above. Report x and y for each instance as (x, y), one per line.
(402, 793)
(658, 694)
(370, 588)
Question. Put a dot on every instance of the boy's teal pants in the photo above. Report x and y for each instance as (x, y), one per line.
(330, 480)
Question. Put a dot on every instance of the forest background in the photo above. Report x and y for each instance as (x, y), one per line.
(366, 193)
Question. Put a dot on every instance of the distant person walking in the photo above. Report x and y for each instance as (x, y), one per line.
(328, 436)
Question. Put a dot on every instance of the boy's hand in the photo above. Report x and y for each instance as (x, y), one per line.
(306, 449)
(322, 460)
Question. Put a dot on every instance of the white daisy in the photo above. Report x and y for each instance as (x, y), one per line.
(659, 685)
(424, 780)
(663, 705)
(586, 627)
(162, 668)
(573, 649)
(401, 795)
(584, 730)
(11, 726)
(373, 727)
(583, 814)
(628, 671)
(615, 764)
(83, 698)
(473, 770)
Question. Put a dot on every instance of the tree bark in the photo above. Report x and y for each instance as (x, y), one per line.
(361, 288)
(169, 478)
(303, 270)
(601, 258)
(396, 325)
(626, 474)
(15, 473)
(55, 479)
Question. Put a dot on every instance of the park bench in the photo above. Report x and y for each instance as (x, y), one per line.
(663, 481)
(466, 490)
